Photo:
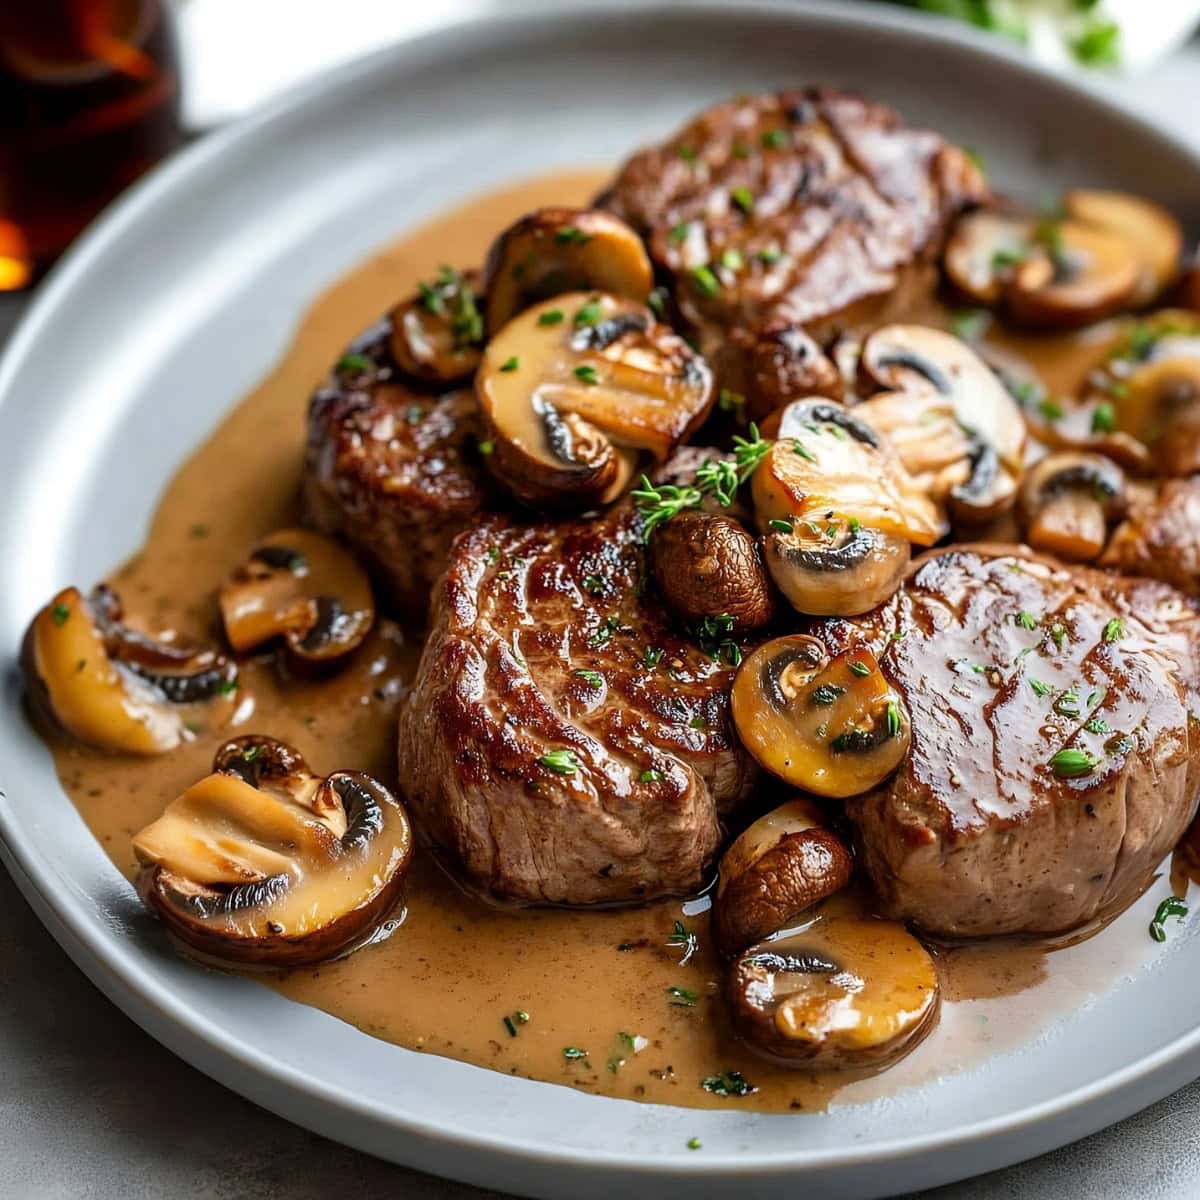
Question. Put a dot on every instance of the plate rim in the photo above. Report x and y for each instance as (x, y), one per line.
(125, 982)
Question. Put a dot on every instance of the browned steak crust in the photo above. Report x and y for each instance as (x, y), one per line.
(1161, 538)
(808, 208)
(562, 744)
(978, 833)
(394, 470)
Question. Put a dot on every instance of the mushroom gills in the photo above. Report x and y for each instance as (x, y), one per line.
(274, 866)
(117, 688)
(833, 726)
(846, 991)
(1068, 502)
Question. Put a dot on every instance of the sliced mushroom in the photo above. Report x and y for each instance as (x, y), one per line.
(829, 725)
(919, 360)
(709, 565)
(1068, 503)
(557, 250)
(572, 392)
(437, 335)
(837, 510)
(847, 992)
(1155, 235)
(780, 866)
(304, 588)
(116, 688)
(265, 863)
(1046, 274)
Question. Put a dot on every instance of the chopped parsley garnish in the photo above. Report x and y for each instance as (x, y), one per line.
(968, 323)
(508, 1024)
(743, 198)
(732, 260)
(487, 446)
(682, 997)
(693, 1143)
(591, 678)
(683, 937)
(586, 373)
(561, 762)
(893, 719)
(652, 656)
(1114, 629)
(650, 775)
(590, 313)
(354, 363)
(1026, 620)
(780, 525)
(1172, 906)
(860, 669)
(1104, 417)
(511, 364)
(657, 300)
(824, 694)
(1051, 410)
(706, 281)
(687, 153)
(228, 687)
(805, 453)
(552, 316)
(728, 1083)
(1059, 634)
(1067, 704)
(414, 414)
(698, 723)
(1098, 45)
(769, 254)
(573, 1053)
(198, 531)
(1071, 763)
(775, 139)
(731, 402)
(59, 614)
(606, 630)
(1096, 725)
(679, 232)
(572, 235)
(593, 584)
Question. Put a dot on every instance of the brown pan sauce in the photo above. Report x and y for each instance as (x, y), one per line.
(582, 998)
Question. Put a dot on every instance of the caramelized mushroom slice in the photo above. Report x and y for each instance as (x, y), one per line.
(1068, 502)
(573, 390)
(847, 992)
(304, 588)
(117, 688)
(1155, 235)
(557, 250)
(837, 511)
(777, 868)
(264, 863)
(437, 335)
(921, 361)
(709, 565)
(1047, 274)
(832, 726)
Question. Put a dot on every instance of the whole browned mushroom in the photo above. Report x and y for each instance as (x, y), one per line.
(574, 390)
(987, 436)
(780, 866)
(1068, 503)
(303, 588)
(709, 565)
(557, 250)
(1047, 274)
(837, 511)
(1154, 234)
(831, 725)
(437, 335)
(117, 688)
(264, 863)
(846, 992)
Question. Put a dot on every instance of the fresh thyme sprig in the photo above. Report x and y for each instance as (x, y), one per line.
(660, 502)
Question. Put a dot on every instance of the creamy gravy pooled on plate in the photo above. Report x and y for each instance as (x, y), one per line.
(619, 1003)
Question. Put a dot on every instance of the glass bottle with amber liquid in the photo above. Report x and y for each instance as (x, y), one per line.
(89, 99)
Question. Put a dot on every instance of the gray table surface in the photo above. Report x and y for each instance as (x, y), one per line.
(90, 1106)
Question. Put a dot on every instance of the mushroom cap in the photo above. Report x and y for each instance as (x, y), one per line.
(833, 726)
(574, 389)
(1067, 502)
(846, 992)
(781, 865)
(556, 250)
(263, 863)
(925, 363)
(301, 587)
(437, 335)
(1155, 235)
(709, 565)
(118, 689)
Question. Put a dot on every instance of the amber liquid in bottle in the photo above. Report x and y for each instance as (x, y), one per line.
(89, 99)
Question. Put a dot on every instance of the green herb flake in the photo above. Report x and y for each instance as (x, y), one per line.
(591, 678)
(1104, 417)
(687, 153)
(353, 364)
(1071, 763)
(414, 414)
(198, 531)
(586, 373)
(803, 451)
(775, 139)
(657, 300)
(652, 656)
(228, 687)
(59, 614)
(824, 694)
(510, 364)
(693, 1143)
(706, 281)
(650, 775)
(732, 260)
(893, 719)
(486, 447)
(574, 1054)
(1096, 725)
(1051, 410)
(561, 762)
(508, 1024)
(1040, 689)
(1026, 620)
(589, 314)
(552, 316)
(728, 1083)
(682, 997)
(860, 669)
(1114, 630)
(779, 525)
(572, 235)
(968, 324)
(1098, 45)
(678, 233)
(744, 199)
(1172, 906)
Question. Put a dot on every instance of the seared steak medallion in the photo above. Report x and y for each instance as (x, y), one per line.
(561, 743)
(1055, 758)
(811, 209)
(393, 469)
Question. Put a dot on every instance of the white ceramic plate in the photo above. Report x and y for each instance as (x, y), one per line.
(184, 295)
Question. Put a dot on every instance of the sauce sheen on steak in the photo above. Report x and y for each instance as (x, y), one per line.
(1005, 660)
(562, 744)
